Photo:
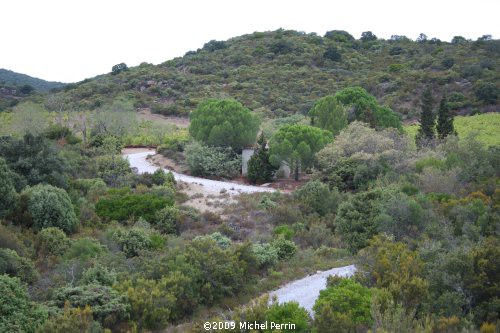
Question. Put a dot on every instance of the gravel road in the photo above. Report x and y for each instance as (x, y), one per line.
(139, 160)
(305, 291)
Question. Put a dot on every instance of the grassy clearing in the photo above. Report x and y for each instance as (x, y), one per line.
(486, 125)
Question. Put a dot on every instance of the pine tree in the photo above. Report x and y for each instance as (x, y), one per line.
(259, 167)
(445, 120)
(426, 132)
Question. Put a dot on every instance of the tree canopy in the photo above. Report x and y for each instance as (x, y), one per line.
(224, 123)
(296, 145)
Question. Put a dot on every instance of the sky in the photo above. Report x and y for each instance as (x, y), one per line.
(70, 40)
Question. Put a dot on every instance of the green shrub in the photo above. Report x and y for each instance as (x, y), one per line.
(99, 275)
(167, 220)
(17, 313)
(49, 206)
(265, 254)
(7, 189)
(343, 307)
(132, 241)
(121, 206)
(289, 312)
(52, 241)
(222, 241)
(151, 302)
(14, 265)
(283, 231)
(285, 248)
(108, 306)
(207, 161)
(84, 249)
(317, 197)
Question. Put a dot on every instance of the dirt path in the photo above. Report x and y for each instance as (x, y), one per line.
(204, 194)
(305, 291)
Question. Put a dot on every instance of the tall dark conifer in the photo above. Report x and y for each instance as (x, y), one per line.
(426, 132)
(445, 120)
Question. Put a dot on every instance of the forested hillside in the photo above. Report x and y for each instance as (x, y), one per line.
(11, 78)
(283, 72)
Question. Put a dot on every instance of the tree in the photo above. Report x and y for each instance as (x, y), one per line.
(368, 36)
(50, 206)
(52, 241)
(486, 92)
(426, 133)
(34, 160)
(445, 120)
(223, 123)
(422, 38)
(339, 36)
(17, 313)
(367, 109)
(343, 306)
(296, 145)
(260, 169)
(329, 114)
(118, 68)
(332, 53)
(26, 89)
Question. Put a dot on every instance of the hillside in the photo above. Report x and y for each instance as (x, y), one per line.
(11, 78)
(283, 72)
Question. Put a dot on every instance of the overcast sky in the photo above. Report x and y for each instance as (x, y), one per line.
(70, 40)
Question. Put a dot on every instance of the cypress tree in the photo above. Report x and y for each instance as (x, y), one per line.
(427, 120)
(259, 167)
(445, 120)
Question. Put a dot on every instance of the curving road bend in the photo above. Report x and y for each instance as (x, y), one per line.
(139, 161)
(305, 291)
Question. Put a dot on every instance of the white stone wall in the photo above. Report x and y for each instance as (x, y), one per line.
(245, 157)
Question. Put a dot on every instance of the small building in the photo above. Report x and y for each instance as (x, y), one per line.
(283, 171)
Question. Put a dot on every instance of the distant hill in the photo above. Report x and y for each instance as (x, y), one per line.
(283, 72)
(11, 78)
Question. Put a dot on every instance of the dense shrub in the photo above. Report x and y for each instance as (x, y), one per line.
(14, 265)
(108, 306)
(167, 220)
(266, 254)
(7, 189)
(133, 241)
(35, 160)
(49, 206)
(17, 312)
(123, 205)
(208, 161)
(52, 241)
(356, 219)
(285, 248)
(317, 197)
(99, 275)
(343, 307)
